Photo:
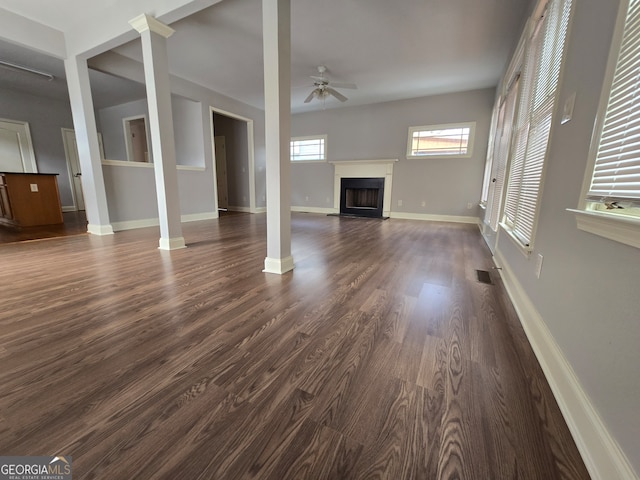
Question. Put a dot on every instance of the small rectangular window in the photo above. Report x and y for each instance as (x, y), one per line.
(309, 149)
(452, 140)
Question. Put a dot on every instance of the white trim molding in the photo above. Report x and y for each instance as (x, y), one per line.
(175, 243)
(435, 218)
(239, 209)
(302, 209)
(145, 22)
(126, 163)
(278, 266)
(601, 454)
(100, 230)
(614, 227)
(154, 222)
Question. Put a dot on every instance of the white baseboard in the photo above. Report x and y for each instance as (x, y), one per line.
(239, 209)
(100, 229)
(601, 454)
(175, 243)
(326, 211)
(68, 208)
(278, 265)
(154, 222)
(434, 218)
(133, 224)
(196, 217)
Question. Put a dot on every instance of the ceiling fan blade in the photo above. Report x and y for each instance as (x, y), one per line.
(338, 95)
(310, 97)
(351, 86)
(320, 79)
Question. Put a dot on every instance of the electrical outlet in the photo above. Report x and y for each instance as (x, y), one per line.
(34, 187)
(399, 203)
(539, 259)
(306, 198)
(469, 206)
(424, 204)
(328, 200)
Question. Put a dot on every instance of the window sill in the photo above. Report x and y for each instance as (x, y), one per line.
(303, 162)
(125, 163)
(437, 156)
(526, 251)
(614, 227)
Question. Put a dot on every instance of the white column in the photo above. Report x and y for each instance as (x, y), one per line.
(84, 124)
(154, 36)
(276, 27)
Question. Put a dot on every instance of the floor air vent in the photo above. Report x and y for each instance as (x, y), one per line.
(484, 277)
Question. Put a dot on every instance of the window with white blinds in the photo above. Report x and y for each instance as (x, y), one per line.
(615, 182)
(533, 123)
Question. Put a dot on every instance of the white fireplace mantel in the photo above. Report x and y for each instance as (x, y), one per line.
(364, 169)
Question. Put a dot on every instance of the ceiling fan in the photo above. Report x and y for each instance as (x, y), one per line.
(324, 88)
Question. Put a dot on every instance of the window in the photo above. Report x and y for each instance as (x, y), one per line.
(309, 149)
(612, 184)
(533, 122)
(452, 140)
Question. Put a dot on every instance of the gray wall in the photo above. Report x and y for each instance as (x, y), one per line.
(130, 69)
(187, 124)
(588, 292)
(131, 192)
(189, 134)
(380, 131)
(112, 129)
(235, 133)
(46, 117)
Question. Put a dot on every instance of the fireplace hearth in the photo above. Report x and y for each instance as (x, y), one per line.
(361, 197)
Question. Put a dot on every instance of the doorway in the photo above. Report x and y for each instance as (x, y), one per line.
(73, 165)
(16, 148)
(221, 173)
(136, 138)
(234, 161)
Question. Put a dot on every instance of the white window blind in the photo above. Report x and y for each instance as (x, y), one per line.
(616, 176)
(531, 136)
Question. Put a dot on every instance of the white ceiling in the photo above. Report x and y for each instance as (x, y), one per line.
(391, 50)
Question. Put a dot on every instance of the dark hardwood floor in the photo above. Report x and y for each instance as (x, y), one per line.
(379, 356)
(75, 223)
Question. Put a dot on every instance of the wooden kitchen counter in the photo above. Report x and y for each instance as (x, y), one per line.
(29, 199)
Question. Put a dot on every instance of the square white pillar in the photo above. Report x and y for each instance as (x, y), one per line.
(84, 124)
(154, 36)
(276, 23)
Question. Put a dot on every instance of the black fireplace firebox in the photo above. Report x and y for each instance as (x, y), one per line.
(361, 197)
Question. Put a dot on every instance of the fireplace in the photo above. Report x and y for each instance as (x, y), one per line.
(361, 197)
(364, 169)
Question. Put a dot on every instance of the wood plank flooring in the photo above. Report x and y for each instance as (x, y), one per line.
(380, 356)
(75, 223)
